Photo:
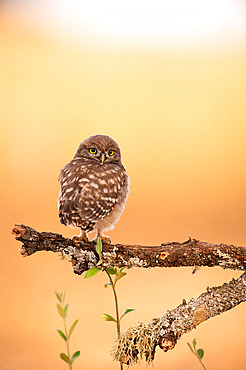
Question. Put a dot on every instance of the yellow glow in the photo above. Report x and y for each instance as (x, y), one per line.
(179, 118)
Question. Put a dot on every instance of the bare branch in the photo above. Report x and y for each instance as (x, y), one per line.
(174, 254)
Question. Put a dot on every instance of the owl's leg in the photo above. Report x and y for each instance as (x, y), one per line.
(82, 237)
(105, 239)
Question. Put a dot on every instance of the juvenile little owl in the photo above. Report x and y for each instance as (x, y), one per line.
(94, 187)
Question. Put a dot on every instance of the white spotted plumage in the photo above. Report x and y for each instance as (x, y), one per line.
(94, 186)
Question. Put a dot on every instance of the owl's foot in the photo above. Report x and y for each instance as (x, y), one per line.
(105, 239)
(81, 238)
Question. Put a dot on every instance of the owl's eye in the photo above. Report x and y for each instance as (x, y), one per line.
(111, 152)
(92, 150)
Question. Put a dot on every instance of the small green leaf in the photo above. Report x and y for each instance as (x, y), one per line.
(119, 276)
(64, 295)
(111, 270)
(200, 353)
(91, 272)
(64, 358)
(72, 328)
(99, 246)
(107, 317)
(62, 334)
(74, 356)
(190, 348)
(194, 343)
(66, 310)
(121, 273)
(60, 310)
(58, 296)
(126, 311)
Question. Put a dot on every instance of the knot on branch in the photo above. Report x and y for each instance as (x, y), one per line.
(168, 341)
(200, 314)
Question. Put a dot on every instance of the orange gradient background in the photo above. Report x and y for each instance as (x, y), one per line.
(180, 118)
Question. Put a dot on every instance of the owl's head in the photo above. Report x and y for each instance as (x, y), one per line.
(100, 148)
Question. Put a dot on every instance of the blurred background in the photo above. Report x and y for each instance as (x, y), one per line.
(167, 80)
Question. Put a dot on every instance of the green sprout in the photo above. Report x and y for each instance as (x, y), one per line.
(63, 310)
(114, 274)
(199, 353)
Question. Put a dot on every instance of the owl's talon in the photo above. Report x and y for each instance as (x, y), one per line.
(105, 239)
(82, 238)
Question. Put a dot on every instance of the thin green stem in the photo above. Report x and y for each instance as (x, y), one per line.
(67, 342)
(116, 309)
(116, 304)
(201, 363)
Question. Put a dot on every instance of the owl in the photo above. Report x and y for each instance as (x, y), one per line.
(94, 188)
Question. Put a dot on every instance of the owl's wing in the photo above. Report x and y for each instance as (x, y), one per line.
(85, 197)
(93, 203)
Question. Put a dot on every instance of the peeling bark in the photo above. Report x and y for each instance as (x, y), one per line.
(174, 254)
(140, 342)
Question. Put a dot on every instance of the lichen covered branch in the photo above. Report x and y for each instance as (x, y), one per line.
(140, 342)
(174, 254)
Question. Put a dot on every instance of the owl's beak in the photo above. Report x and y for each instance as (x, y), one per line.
(102, 157)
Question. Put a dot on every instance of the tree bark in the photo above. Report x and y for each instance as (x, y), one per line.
(174, 254)
(140, 342)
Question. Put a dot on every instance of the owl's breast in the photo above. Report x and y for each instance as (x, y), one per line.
(121, 188)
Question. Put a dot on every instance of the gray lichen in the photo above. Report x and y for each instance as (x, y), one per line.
(139, 342)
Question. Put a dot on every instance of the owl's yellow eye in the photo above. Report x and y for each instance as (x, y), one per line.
(92, 150)
(111, 152)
